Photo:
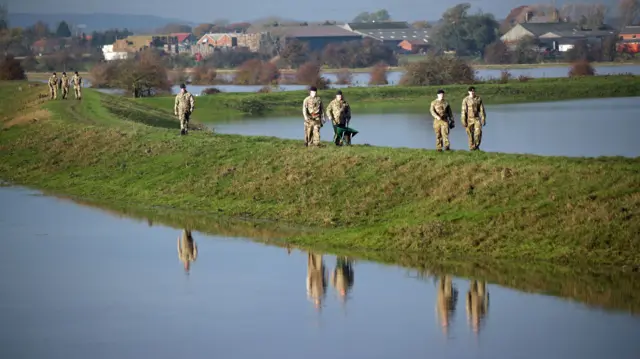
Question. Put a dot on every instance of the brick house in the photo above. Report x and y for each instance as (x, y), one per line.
(629, 39)
(414, 46)
(218, 40)
(45, 46)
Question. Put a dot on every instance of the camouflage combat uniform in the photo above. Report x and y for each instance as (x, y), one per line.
(183, 108)
(312, 110)
(442, 122)
(477, 303)
(473, 118)
(53, 86)
(77, 86)
(187, 249)
(65, 86)
(339, 112)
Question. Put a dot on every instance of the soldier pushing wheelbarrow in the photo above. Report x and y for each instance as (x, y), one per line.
(339, 112)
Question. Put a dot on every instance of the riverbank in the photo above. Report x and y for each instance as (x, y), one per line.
(223, 106)
(484, 205)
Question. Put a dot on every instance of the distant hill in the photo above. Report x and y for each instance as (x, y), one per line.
(96, 21)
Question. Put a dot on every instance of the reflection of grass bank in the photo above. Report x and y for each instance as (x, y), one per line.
(414, 201)
(399, 98)
(599, 287)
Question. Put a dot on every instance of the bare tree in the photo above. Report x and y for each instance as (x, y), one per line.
(629, 11)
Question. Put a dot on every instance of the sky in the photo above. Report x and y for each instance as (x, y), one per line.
(246, 10)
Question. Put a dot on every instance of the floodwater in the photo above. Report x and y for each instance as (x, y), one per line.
(589, 128)
(78, 282)
(362, 79)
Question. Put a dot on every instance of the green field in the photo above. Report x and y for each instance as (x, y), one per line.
(223, 106)
(384, 200)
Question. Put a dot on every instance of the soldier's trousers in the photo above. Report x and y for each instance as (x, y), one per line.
(65, 92)
(474, 132)
(441, 128)
(184, 120)
(78, 91)
(53, 92)
(312, 132)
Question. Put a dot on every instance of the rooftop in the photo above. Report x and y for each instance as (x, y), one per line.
(630, 30)
(312, 31)
(541, 28)
(399, 34)
(381, 25)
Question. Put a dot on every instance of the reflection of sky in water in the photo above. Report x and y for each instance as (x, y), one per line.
(76, 282)
(595, 127)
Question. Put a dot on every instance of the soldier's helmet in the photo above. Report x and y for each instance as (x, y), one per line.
(313, 88)
(64, 73)
(54, 73)
(76, 72)
(471, 88)
(339, 93)
(183, 86)
(440, 91)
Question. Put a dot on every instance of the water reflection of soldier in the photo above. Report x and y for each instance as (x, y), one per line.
(447, 300)
(477, 304)
(187, 249)
(316, 279)
(342, 279)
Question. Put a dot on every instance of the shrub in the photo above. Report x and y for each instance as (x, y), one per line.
(309, 74)
(524, 78)
(256, 72)
(505, 76)
(378, 75)
(344, 77)
(438, 70)
(497, 53)
(204, 75)
(581, 68)
(251, 105)
(265, 89)
(11, 69)
(211, 91)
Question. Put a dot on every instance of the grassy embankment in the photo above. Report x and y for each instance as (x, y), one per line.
(484, 205)
(223, 106)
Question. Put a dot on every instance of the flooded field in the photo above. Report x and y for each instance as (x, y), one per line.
(80, 282)
(600, 127)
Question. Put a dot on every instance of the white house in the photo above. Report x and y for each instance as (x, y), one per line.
(110, 55)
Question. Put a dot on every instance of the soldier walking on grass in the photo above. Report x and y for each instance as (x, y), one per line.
(53, 86)
(472, 117)
(339, 112)
(77, 85)
(64, 84)
(442, 121)
(313, 111)
(183, 108)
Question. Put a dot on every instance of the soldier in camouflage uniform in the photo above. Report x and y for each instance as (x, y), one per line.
(313, 111)
(342, 279)
(447, 300)
(64, 84)
(77, 85)
(187, 249)
(477, 304)
(183, 108)
(316, 279)
(53, 86)
(442, 121)
(339, 112)
(472, 117)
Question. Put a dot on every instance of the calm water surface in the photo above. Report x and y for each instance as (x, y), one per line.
(362, 79)
(594, 127)
(77, 282)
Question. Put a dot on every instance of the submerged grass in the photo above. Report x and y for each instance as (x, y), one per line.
(362, 99)
(475, 204)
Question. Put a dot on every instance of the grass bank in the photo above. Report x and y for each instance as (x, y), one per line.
(401, 99)
(483, 205)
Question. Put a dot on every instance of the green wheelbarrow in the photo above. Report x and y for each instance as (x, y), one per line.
(342, 135)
